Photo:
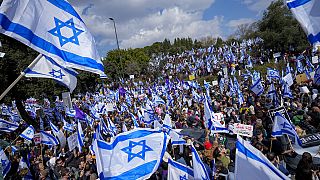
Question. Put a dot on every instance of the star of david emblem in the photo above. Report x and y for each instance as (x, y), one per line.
(56, 74)
(183, 177)
(29, 132)
(259, 86)
(3, 162)
(66, 31)
(286, 126)
(133, 147)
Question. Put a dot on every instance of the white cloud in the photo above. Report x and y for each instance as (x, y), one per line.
(235, 23)
(142, 22)
(257, 5)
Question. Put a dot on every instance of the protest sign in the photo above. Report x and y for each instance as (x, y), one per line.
(219, 117)
(288, 79)
(301, 78)
(66, 101)
(37, 138)
(276, 55)
(310, 140)
(131, 76)
(304, 89)
(282, 110)
(191, 77)
(243, 129)
(72, 141)
(215, 83)
(315, 59)
(109, 107)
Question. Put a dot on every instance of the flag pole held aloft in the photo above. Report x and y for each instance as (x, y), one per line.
(19, 77)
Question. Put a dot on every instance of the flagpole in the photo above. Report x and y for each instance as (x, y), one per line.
(20, 76)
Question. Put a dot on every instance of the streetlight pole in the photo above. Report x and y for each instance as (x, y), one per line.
(115, 31)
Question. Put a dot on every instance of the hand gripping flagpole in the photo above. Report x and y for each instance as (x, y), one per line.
(20, 76)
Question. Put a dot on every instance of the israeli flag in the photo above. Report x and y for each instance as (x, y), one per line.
(282, 126)
(176, 138)
(54, 29)
(316, 79)
(273, 74)
(307, 13)
(299, 66)
(7, 126)
(240, 98)
(167, 121)
(133, 154)
(257, 87)
(287, 92)
(199, 170)
(272, 94)
(80, 137)
(134, 120)
(210, 122)
(252, 164)
(6, 164)
(59, 134)
(255, 76)
(67, 126)
(23, 164)
(28, 133)
(48, 68)
(177, 170)
(236, 84)
(48, 139)
(232, 90)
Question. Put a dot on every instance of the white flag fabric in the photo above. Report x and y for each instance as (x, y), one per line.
(307, 13)
(282, 126)
(251, 164)
(134, 154)
(80, 136)
(59, 134)
(210, 122)
(177, 170)
(7, 126)
(48, 68)
(6, 164)
(199, 170)
(28, 133)
(257, 87)
(316, 79)
(48, 139)
(53, 28)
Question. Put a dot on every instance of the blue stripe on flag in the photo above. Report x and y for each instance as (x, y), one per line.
(65, 6)
(47, 46)
(182, 168)
(312, 39)
(134, 173)
(297, 3)
(133, 135)
(241, 148)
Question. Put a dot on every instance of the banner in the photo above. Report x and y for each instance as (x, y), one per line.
(243, 129)
(310, 140)
(282, 110)
(72, 141)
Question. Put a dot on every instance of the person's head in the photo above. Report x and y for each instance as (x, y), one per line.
(271, 156)
(306, 157)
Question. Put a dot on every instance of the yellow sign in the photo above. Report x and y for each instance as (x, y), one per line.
(191, 77)
(301, 78)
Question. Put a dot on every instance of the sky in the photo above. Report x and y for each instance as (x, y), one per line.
(140, 23)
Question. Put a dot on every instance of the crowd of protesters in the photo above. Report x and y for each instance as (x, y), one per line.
(183, 100)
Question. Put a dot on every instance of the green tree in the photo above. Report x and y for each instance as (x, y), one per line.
(280, 30)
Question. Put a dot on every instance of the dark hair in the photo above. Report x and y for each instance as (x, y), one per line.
(271, 156)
